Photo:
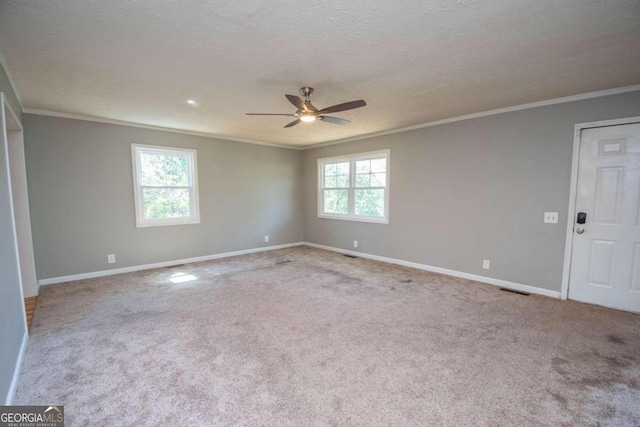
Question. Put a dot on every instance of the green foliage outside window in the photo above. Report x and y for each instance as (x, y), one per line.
(164, 178)
(369, 202)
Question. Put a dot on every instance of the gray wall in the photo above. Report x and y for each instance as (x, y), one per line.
(12, 323)
(460, 193)
(473, 190)
(82, 208)
(12, 326)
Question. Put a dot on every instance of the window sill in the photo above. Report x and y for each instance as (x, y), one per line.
(372, 220)
(164, 223)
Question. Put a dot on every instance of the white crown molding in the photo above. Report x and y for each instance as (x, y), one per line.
(488, 280)
(151, 127)
(4, 65)
(572, 98)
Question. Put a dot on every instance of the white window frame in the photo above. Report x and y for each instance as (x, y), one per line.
(141, 221)
(351, 215)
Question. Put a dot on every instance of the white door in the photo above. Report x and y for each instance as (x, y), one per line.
(605, 262)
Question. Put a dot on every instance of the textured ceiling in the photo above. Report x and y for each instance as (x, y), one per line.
(412, 61)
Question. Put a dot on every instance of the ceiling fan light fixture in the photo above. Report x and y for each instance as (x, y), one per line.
(307, 112)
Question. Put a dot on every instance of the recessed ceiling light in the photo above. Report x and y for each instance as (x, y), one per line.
(192, 102)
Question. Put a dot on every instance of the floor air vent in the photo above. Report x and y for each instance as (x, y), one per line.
(526, 294)
(283, 262)
(350, 256)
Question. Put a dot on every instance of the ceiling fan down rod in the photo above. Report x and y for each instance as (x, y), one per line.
(306, 92)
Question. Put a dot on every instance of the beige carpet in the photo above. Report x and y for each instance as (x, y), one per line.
(302, 337)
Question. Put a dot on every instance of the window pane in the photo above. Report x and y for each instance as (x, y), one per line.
(164, 169)
(363, 166)
(330, 181)
(336, 181)
(342, 181)
(369, 202)
(330, 169)
(379, 165)
(378, 179)
(336, 201)
(343, 168)
(166, 203)
(363, 180)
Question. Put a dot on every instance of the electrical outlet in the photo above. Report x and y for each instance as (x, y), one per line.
(111, 259)
(486, 264)
(355, 243)
(551, 217)
(266, 239)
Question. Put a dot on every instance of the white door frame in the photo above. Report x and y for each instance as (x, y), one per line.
(6, 110)
(20, 195)
(568, 247)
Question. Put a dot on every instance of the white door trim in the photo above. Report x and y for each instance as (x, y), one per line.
(5, 110)
(568, 247)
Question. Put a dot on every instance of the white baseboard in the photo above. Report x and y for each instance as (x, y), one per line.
(491, 281)
(447, 272)
(114, 271)
(11, 394)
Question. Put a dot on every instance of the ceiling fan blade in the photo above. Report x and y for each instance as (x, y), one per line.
(343, 107)
(334, 120)
(293, 123)
(270, 114)
(297, 102)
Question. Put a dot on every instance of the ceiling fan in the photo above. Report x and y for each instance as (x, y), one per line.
(307, 112)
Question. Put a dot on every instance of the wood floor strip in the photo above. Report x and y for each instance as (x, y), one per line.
(30, 306)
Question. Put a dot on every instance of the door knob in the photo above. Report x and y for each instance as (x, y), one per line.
(579, 230)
